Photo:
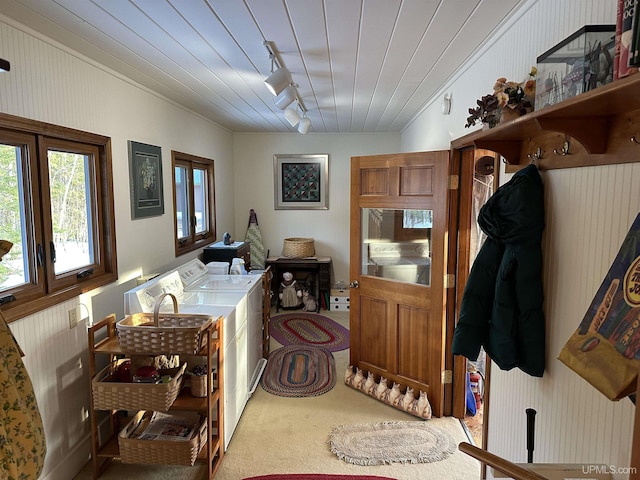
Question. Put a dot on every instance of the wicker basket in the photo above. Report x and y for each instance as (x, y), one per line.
(198, 385)
(112, 395)
(298, 247)
(158, 452)
(150, 334)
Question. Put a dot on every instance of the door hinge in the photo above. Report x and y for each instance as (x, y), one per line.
(449, 280)
(447, 376)
(452, 182)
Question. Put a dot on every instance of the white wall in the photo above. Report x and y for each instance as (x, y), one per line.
(51, 84)
(588, 213)
(254, 188)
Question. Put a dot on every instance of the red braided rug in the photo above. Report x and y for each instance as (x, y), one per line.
(303, 328)
(316, 476)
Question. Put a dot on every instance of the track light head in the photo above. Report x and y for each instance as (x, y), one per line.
(304, 125)
(292, 116)
(5, 66)
(278, 80)
(286, 96)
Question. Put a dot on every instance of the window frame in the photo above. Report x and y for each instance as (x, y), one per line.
(194, 241)
(44, 290)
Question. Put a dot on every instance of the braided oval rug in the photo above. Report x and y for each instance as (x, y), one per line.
(299, 371)
(391, 442)
(303, 328)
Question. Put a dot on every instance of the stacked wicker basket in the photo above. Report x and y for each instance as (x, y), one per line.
(145, 334)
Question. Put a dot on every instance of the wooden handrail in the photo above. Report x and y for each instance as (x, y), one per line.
(498, 463)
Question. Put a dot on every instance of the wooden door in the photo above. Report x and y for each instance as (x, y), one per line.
(397, 319)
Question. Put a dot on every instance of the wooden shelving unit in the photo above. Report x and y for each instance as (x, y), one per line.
(600, 127)
(103, 340)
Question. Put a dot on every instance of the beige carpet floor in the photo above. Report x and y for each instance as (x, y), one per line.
(290, 435)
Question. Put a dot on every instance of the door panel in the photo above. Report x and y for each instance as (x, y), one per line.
(377, 327)
(416, 180)
(398, 250)
(413, 332)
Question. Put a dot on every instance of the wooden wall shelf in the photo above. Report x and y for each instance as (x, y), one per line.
(598, 126)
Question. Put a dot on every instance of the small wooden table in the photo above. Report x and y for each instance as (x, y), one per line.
(318, 267)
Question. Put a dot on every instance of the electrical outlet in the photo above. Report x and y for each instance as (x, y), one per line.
(73, 317)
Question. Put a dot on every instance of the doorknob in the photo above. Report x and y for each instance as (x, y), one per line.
(354, 284)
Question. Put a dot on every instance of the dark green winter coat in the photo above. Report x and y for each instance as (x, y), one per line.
(501, 306)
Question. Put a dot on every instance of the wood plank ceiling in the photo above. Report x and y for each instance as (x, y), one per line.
(359, 65)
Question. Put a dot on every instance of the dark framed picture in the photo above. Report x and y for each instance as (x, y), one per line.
(301, 182)
(145, 174)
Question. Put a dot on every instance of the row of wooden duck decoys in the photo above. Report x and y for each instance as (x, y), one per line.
(407, 401)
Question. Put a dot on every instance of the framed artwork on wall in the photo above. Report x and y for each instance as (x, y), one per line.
(145, 175)
(301, 182)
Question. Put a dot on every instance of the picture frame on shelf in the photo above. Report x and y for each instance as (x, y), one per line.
(301, 182)
(145, 177)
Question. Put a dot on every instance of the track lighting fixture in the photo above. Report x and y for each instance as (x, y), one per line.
(292, 116)
(284, 99)
(304, 125)
(280, 84)
(278, 80)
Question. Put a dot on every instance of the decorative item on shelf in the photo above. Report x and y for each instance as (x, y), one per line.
(198, 380)
(508, 101)
(579, 63)
(298, 247)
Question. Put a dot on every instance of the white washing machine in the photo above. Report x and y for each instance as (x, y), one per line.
(239, 301)
(196, 278)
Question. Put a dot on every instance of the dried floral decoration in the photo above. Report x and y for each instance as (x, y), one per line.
(507, 95)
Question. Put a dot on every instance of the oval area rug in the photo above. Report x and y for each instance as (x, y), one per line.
(299, 371)
(390, 442)
(309, 329)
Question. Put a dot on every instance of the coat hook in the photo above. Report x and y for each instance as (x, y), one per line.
(564, 150)
(537, 155)
(635, 140)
